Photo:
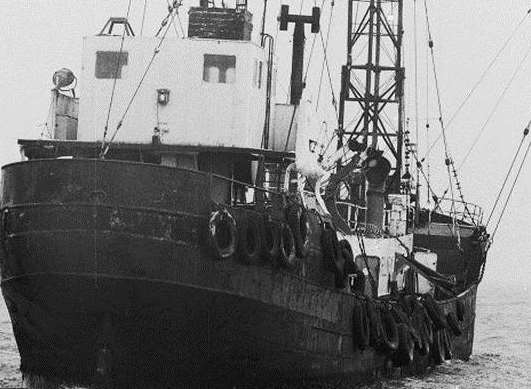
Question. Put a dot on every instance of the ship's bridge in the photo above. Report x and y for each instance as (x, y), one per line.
(207, 89)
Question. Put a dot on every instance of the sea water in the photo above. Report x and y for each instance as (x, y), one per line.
(502, 349)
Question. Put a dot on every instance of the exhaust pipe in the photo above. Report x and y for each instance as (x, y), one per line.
(377, 170)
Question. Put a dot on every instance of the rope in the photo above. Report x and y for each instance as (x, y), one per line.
(526, 132)
(173, 21)
(334, 101)
(415, 38)
(180, 24)
(143, 17)
(105, 148)
(314, 40)
(491, 115)
(324, 56)
(483, 75)
(498, 102)
(361, 245)
(511, 191)
(117, 65)
(448, 161)
(301, 7)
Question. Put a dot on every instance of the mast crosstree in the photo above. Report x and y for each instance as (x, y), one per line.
(371, 110)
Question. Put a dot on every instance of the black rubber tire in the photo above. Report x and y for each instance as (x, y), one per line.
(360, 326)
(271, 241)
(424, 326)
(223, 234)
(460, 310)
(399, 315)
(389, 338)
(348, 256)
(447, 345)
(250, 239)
(345, 265)
(330, 249)
(435, 312)
(375, 323)
(287, 257)
(437, 352)
(302, 230)
(406, 346)
(409, 304)
(453, 324)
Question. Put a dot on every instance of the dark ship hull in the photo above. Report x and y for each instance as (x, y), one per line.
(102, 274)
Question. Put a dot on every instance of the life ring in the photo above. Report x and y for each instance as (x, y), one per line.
(406, 345)
(250, 239)
(271, 241)
(287, 246)
(360, 326)
(460, 310)
(299, 223)
(223, 233)
(453, 324)
(375, 323)
(436, 315)
(389, 338)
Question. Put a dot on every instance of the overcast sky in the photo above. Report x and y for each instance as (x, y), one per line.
(39, 37)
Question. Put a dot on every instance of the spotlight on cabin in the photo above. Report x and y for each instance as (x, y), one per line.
(163, 96)
(63, 78)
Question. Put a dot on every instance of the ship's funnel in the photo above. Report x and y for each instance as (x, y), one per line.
(377, 170)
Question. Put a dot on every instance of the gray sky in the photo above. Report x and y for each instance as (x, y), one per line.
(39, 37)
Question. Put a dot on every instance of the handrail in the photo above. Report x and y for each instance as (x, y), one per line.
(469, 211)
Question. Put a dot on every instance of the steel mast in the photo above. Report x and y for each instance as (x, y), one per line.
(371, 108)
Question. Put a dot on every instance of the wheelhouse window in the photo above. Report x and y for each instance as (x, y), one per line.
(109, 64)
(219, 69)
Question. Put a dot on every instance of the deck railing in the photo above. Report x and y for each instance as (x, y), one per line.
(462, 211)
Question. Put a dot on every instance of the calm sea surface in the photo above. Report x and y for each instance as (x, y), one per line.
(502, 351)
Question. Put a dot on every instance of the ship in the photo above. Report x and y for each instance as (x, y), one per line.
(180, 227)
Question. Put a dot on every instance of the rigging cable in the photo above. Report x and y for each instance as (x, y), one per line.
(507, 86)
(324, 56)
(428, 154)
(526, 132)
(183, 35)
(415, 44)
(511, 191)
(447, 161)
(143, 18)
(334, 100)
(105, 147)
(361, 244)
(115, 78)
(295, 108)
(493, 111)
(483, 75)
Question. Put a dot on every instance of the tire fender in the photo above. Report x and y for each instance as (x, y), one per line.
(223, 233)
(360, 326)
(287, 255)
(250, 239)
